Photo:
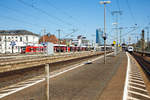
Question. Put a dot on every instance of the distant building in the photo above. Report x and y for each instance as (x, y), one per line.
(49, 38)
(99, 38)
(53, 39)
(80, 41)
(13, 40)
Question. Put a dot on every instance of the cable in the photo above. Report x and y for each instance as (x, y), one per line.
(24, 14)
(63, 12)
(16, 12)
(44, 12)
(131, 13)
(20, 21)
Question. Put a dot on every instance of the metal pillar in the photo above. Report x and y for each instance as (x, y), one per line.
(47, 80)
(104, 36)
(59, 39)
(143, 43)
(117, 39)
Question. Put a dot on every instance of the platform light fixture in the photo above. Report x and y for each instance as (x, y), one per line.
(104, 35)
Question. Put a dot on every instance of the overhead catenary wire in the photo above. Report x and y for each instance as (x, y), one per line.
(60, 10)
(45, 12)
(130, 11)
(27, 15)
(74, 19)
(18, 20)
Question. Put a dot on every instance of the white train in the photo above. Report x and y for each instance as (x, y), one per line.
(130, 48)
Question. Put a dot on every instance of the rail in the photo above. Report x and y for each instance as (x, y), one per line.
(145, 64)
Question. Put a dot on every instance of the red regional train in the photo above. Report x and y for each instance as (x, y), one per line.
(28, 49)
(57, 48)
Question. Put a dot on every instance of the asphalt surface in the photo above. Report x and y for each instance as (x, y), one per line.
(84, 83)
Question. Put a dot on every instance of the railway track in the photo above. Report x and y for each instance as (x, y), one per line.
(145, 64)
(21, 63)
(13, 77)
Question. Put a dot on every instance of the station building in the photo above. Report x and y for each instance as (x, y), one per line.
(11, 41)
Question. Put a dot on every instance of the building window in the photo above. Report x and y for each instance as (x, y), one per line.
(8, 38)
(20, 39)
(16, 38)
(0, 38)
(27, 38)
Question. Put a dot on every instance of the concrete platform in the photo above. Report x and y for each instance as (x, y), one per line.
(91, 81)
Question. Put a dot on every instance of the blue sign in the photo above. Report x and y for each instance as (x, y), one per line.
(13, 43)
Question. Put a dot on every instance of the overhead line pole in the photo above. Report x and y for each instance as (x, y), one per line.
(120, 35)
(59, 39)
(148, 37)
(116, 13)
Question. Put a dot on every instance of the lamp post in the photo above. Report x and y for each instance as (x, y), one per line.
(104, 35)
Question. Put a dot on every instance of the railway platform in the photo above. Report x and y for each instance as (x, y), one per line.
(129, 82)
(121, 78)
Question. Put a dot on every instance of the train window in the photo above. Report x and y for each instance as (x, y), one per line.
(38, 49)
(31, 49)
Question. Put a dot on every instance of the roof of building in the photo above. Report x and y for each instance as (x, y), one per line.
(49, 38)
(53, 39)
(16, 32)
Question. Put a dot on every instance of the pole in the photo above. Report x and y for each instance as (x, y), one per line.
(104, 36)
(143, 42)
(148, 38)
(120, 35)
(47, 80)
(44, 31)
(113, 13)
(59, 39)
(137, 44)
(12, 49)
(129, 40)
(5, 44)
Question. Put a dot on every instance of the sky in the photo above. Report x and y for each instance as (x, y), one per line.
(83, 16)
